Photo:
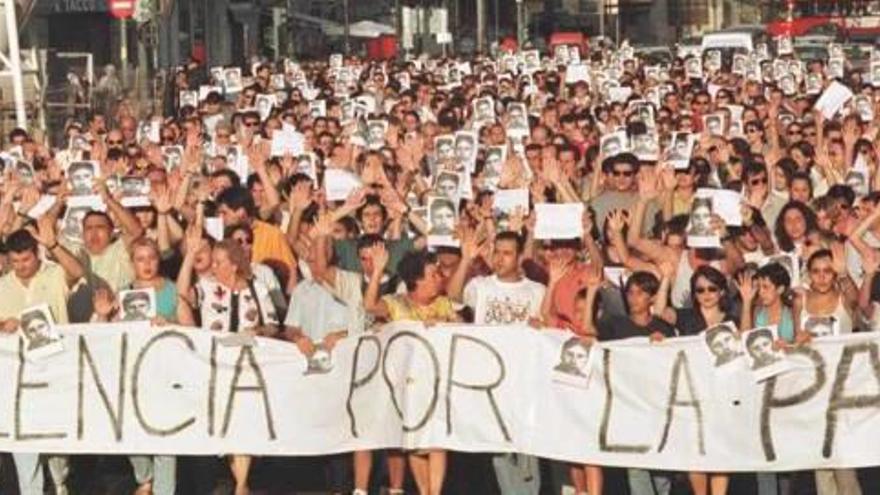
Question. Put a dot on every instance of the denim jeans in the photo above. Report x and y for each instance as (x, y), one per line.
(644, 482)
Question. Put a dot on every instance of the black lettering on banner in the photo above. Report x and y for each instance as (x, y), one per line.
(682, 365)
(770, 401)
(212, 387)
(356, 383)
(116, 417)
(451, 381)
(20, 387)
(606, 415)
(838, 398)
(235, 388)
(135, 385)
(436, 387)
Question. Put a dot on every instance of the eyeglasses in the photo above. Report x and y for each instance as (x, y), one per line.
(622, 173)
(758, 180)
(707, 288)
(114, 143)
(251, 124)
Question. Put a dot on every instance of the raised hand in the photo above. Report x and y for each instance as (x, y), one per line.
(380, 257)
(746, 286)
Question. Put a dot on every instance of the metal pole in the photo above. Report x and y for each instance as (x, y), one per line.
(15, 64)
(123, 52)
(481, 26)
(347, 26)
(519, 24)
(496, 15)
(602, 18)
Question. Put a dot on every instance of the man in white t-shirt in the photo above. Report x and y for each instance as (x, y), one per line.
(506, 297)
(503, 298)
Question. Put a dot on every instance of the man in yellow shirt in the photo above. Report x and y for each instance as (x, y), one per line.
(31, 282)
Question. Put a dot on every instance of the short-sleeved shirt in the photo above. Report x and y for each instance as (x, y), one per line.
(401, 308)
(218, 313)
(48, 286)
(113, 265)
(496, 302)
(271, 248)
(565, 296)
(315, 310)
(615, 327)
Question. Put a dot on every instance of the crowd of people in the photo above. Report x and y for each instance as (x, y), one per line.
(314, 201)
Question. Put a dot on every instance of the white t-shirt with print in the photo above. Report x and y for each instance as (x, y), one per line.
(496, 302)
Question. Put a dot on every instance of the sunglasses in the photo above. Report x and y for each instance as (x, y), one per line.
(622, 173)
(251, 124)
(114, 143)
(759, 180)
(708, 288)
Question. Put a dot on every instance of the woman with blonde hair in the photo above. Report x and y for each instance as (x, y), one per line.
(229, 300)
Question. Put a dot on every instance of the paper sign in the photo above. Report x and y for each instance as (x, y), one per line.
(339, 183)
(833, 99)
(559, 221)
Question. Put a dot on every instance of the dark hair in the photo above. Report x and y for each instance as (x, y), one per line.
(778, 276)
(646, 281)
(368, 240)
(97, 213)
(822, 253)
(411, 268)
(752, 167)
(843, 193)
(372, 200)
(20, 241)
(760, 333)
(229, 174)
(621, 159)
(786, 243)
(510, 235)
(237, 197)
(716, 278)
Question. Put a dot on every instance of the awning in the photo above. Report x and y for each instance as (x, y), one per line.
(362, 29)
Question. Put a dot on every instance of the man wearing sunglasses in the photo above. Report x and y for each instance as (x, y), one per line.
(757, 191)
(620, 187)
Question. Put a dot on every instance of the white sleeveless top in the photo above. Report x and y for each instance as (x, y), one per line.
(681, 287)
(838, 322)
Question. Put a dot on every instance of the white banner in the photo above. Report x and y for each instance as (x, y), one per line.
(121, 389)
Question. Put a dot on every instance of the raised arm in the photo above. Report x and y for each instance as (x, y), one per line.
(661, 302)
(258, 154)
(470, 250)
(44, 233)
(131, 227)
(870, 263)
(372, 302)
(747, 293)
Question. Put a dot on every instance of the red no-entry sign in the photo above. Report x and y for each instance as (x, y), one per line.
(121, 9)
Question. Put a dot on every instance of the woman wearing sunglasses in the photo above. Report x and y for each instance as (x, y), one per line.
(711, 305)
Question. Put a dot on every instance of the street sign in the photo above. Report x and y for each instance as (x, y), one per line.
(121, 9)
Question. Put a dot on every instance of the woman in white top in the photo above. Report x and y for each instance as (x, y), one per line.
(229, 300)
(827, 309)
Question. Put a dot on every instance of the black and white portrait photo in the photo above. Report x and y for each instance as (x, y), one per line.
(265, 103)
(495, 158)
(444, 147)
(574, 358)
(376, 130)
(134, 191)
(701, 217)
(693, 68)
(858, 181)
(25, 172)
(465, 149)
(172, 156)
(189, 98)
(821, 326)
(517, 116)
(714, 124)
(760, 347)
(318, 108)
(484, 109)
(447, 185)
(613, 144)
(740, 63)
(813, 83)
(71, 225)
(875, 74)
(81, 177)
(645, 146)
(138, 304)
(232, 80)
(864, 108)
(38, 330)
(531, 61)
(680, 149)
(723, 343)
(442, 216)
(835, 68)
(788, 85)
